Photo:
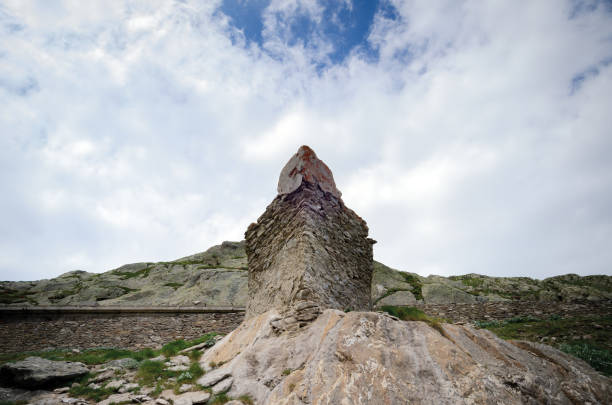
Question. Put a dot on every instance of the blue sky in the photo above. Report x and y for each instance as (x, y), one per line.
(471, 136)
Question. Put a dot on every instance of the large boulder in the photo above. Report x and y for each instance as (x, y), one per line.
(36, 372)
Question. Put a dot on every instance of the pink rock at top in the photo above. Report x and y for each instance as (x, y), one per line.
(305, 165)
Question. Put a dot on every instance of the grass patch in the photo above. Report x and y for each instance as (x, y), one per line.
(150, 370)
(246, 399)
(87, 356)
(585, 337)
(96, 394)
(125, 275)
(173, 285)
(599, 359)
(10, 296)
(414, 314)
(172, 348)
(416, 284)
(220, 399)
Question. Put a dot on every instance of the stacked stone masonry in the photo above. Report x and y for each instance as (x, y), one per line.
(308, 246)
(133, 331)
(153, 330)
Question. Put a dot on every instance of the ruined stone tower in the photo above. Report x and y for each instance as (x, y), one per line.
(307, 245)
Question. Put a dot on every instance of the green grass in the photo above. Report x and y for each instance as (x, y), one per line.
(172, 348)
(87, 356)
(599, 359)
(125, 275)
(174, 285)
(585, 337)
(10, 296)
(150, 370)
(414, 314)
(416, 284)
(220, 399)
(246, 399)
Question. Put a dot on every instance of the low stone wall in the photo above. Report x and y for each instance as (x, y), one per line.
(129, 328)
(510, 309)
(27, 331)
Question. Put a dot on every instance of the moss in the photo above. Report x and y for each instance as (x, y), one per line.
(125, 275)
(10, 296)
(416, 284)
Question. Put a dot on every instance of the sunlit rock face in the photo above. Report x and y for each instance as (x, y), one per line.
(308, 246)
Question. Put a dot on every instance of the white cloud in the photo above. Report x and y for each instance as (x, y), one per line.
(139, 131)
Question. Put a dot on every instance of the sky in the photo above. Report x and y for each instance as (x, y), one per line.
(473, 137)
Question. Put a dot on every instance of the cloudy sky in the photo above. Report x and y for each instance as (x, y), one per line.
(472, 136)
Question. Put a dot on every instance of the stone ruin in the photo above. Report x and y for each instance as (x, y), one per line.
(308, 249)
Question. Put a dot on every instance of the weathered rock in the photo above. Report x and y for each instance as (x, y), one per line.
(187, 398)
(305, 166)
(128, 387)
(176, 360)
(115, 384)
(117, 399)
(127, 362)
(308, 246)
(213, 377)
(399, 298)
(440, 293)
(36, 372)
(367, 357)
(222, 386)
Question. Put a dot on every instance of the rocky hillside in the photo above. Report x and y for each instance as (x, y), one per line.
(218, 277)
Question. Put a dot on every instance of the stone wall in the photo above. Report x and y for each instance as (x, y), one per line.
(132, 331)
(510, 309)
(136, 331)
(308, 246)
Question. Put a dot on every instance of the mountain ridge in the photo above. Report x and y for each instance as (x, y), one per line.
(218, 277)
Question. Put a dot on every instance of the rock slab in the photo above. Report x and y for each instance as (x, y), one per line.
(36, 372)
(369, 357)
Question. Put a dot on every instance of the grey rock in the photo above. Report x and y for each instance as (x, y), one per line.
(223, 386)
(399, 298)
(185, 388)
(189, 398)
(128, 363)
(115, 384)
(367, 357)
(213, 377)
(128, 387)
(117, 399)
(36, 372)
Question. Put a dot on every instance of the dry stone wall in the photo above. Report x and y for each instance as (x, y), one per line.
(131, 331)
(308, 246)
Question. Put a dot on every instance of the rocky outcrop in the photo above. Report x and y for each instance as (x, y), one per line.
(295, 347)
(367, 357)
(36, 372)
(308, 246)
(218, 277)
